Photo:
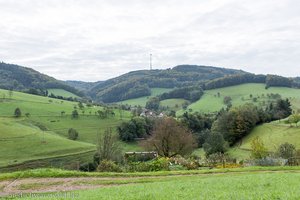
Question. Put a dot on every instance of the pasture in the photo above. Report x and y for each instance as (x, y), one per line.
(61, 92)
(212, 100)
(42, 130)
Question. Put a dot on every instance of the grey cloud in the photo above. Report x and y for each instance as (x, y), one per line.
(96, 40)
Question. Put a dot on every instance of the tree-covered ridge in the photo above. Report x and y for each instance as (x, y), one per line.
(15, 77)
(236, 79)
(120, 88)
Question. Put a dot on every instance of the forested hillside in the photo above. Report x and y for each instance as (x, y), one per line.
(138, 83)
(15, 77)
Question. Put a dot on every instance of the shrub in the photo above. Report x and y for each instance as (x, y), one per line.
(88, 167)
(160, 164)
(75, 114)
(188, 164)
(258, 148)
(192, 164)
(108, 166)
(72, 134)
(18, 112)
(286, 151)
(215, 159)
(267, 161)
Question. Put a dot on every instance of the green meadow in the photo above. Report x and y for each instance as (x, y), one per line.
(173, 104)
(243, 183)
(240, 94)
(61, 92)
(42, 131)
(219, 186)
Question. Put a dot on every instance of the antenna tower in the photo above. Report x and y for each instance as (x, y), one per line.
(150, 61)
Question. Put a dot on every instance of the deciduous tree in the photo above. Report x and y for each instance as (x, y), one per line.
(169, 139)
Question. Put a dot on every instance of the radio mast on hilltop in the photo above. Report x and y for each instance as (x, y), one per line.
(150, 61)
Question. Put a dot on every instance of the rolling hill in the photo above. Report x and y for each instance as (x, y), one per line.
(41, 133)
(139, 83)
(212, 100)
(272, 135)
(15, 77)
(49, 119)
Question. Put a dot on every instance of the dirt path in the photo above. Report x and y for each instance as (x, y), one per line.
(43, 185)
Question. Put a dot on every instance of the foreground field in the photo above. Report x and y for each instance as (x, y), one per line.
(240, 94)
(242, 183)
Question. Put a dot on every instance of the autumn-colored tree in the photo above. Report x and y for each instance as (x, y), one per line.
(169, 139)
(258, 148)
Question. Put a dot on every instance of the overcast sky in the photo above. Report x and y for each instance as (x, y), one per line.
(94, 40)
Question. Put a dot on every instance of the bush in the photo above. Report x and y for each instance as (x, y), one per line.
(88, 167)
(108, 166)
(258, 148)
(72, 134)
(188, 164)
(267, 161)
(286, 151)
(75, 114)
(18, 112)
(160, 164)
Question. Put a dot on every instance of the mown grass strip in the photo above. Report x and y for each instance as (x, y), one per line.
(59, 173)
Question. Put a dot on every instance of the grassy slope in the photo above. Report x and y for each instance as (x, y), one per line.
(210, 102)
(142, 100)
(46, 111)
(173, 104)
(61, 92)
(22, 142)
(273, 134)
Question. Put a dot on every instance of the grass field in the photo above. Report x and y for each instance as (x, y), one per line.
(240, 94)
(240, 183)
(273, 134)
(173, 104)
(142, 100)
(221, 186)
(61, 92)
(21, 142)
(22, 139)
